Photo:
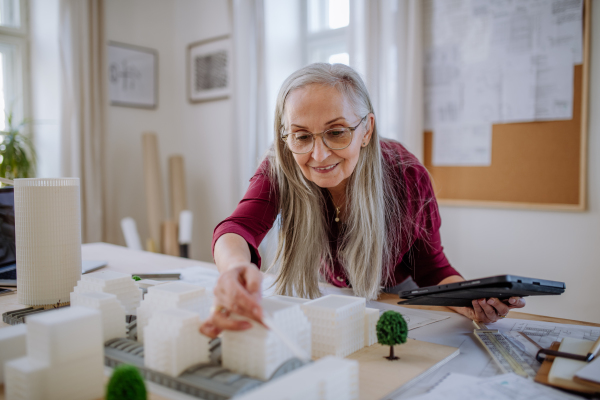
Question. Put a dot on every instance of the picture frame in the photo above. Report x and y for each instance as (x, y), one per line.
(132, 76)
(209, 69)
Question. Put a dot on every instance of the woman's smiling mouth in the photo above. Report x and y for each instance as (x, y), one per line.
(326, 169)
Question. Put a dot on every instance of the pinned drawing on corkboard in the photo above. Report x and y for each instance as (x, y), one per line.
(209, 69)
(506, 103)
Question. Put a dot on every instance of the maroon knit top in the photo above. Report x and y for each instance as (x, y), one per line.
(421, 258)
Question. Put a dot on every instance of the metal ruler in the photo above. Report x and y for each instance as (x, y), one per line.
(503, 352)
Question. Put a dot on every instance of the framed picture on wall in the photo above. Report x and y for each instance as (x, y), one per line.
(209, 69)
(132, 76)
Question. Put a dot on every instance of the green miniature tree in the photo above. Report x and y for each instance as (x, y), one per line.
(136, 278)
(126, 383)
(391, 330)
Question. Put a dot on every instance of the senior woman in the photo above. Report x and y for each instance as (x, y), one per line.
(356, 210)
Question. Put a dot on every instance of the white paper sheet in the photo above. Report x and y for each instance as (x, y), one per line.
(482, 65)
(462, 144)
(502, 387)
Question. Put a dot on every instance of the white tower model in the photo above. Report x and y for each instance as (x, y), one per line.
(172, 295)
(258, 352)
(173, 342)
(65, 358)
(48, 239)
(113, 313)
(338, 325)
(117, 283)
(329, 378)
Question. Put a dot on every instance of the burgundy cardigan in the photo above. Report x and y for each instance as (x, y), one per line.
(423, 258)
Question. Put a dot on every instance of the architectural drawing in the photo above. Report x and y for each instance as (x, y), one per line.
(113, 313)
(117, 283)
(258, 352)
(65, 357)
(327, 379)
(173, 342)
(172, 295)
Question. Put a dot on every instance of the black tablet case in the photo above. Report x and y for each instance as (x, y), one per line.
(461, 294)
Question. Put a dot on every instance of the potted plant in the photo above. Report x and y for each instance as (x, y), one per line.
(17, 155)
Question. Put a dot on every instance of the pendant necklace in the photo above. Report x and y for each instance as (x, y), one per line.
(337, 211)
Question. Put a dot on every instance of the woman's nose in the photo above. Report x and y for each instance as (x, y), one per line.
(320, 151)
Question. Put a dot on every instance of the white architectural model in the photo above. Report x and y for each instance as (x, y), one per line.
(117, 283)
(65, 358)
(172, 295)
(257, 351)
(113, 313)
(371, 318)
(48, 231)
(173, 342)
(12, 345)
(330, 378)
(338, 325)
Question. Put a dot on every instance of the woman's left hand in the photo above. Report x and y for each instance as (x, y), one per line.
(490, 310)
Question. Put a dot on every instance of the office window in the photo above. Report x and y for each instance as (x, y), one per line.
(13, 72)
(326, 26)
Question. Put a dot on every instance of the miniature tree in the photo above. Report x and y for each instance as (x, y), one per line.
(126, 383)
(136, 278)
(391, 330)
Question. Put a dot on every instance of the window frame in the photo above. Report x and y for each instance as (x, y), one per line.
(322, 39)
(17, 90)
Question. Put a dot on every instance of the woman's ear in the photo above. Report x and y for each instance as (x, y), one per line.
(369, 127)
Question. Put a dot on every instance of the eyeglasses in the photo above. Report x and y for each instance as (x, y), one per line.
(335, 139)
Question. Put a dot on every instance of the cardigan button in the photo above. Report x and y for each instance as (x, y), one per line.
(339, 278)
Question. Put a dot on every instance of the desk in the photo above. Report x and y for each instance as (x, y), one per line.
(455, 331)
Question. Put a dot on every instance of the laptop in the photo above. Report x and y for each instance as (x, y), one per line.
(8, 250)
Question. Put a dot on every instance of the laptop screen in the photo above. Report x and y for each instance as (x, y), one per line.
(7, 227)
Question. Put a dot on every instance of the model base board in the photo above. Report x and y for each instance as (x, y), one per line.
(379, 377)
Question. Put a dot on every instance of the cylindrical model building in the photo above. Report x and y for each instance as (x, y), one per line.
(48, 239)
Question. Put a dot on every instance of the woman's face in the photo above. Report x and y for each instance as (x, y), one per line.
(316, 108)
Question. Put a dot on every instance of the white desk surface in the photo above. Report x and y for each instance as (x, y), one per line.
(455, 331)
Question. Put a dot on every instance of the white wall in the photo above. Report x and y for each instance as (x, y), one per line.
(201, 132)
(559, 246)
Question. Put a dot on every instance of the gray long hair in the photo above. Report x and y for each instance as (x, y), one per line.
(371, 239)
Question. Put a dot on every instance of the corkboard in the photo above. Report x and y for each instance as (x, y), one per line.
(540, 165)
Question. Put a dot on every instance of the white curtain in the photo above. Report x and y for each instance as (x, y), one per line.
(81, 42)
(387, 49)
(252, 130)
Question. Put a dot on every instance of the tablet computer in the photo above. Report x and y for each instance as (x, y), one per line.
(461, 294)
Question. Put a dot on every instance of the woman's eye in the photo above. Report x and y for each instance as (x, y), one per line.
(301, 137)
(336, 133)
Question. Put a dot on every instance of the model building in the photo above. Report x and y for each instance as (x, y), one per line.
(113, 313)
(172, 295)
(117, 283)
(338, 325)
(12, 345)
(371, 318)
(257, 351)
(330, 378)
(173, 342)
(65, 358)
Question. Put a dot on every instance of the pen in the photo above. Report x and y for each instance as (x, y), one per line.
(594, 350)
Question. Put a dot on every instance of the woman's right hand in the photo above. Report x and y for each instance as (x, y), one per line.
(238, 291)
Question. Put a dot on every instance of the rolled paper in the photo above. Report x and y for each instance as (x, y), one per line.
(153, 182)
(48, 239)
(130, 232)
(185, 227)
(169, 244)
(177, 186)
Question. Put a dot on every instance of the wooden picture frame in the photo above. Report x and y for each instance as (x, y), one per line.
(209, 69)
(132, 76)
